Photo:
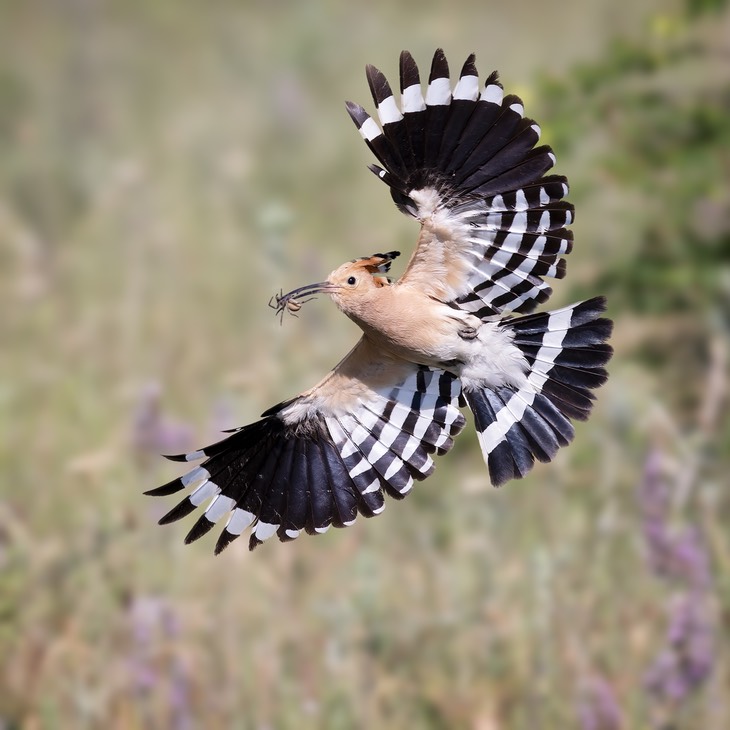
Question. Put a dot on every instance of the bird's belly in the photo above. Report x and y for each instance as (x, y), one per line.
(453, 340)
(423, 335)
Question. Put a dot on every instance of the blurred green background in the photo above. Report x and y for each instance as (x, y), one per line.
(165, 167)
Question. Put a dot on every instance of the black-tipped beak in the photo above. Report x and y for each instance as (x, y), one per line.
(292, 301)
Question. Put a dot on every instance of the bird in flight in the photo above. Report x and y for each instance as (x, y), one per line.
(455, 330)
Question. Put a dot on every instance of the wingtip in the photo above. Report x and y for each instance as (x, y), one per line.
(202, 527)
(469, 68)
(379, 86)
(409, 74)
(224, 540)
(175, 457)
(180, 510)
(439, 66)
(595, 305)
(166, 489)
(405, 57)
(357, 113)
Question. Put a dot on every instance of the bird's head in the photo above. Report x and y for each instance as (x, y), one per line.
(350, 285)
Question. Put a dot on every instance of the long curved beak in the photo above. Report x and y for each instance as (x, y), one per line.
(309, 290)
(293, 300)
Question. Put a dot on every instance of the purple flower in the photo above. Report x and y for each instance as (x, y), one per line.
(680, 556)
(688, 658)
(155, 662)
(598, 708)
(672, 555)
(654, 495)
(691, 563)
(143, 617)
(179, 695)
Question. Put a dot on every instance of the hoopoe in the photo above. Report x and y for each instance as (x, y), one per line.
(463, 162)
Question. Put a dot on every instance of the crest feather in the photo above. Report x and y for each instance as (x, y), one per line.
(378, 263)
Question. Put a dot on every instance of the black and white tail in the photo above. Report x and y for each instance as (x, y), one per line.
(566, 352)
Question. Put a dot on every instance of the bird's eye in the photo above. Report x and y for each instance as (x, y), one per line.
(351, 281)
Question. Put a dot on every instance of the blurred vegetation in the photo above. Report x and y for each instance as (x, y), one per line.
(165, 168)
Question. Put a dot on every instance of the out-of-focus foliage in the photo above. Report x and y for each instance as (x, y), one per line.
(166, 167)
(652, 120)
(659, 114)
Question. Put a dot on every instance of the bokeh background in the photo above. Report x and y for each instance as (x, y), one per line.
(165, 167)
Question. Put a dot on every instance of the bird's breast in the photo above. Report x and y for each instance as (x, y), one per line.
(416, 327)
(428, 332)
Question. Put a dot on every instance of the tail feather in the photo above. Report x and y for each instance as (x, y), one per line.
(561, 427)
(583, 358)
(566, 352)
(520, 451)
(573, 402)
(579, 377)
(507, 458)
(544, 438)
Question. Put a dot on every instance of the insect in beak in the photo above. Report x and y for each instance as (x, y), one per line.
(292, 301)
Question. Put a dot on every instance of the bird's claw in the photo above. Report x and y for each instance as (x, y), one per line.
(468, 333)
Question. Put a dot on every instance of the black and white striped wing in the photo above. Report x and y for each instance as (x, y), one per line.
(464, 163)
(386, 442)
(307, 467)
(566, 352)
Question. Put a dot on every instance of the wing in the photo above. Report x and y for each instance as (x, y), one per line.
(465, 164)
(368, 429)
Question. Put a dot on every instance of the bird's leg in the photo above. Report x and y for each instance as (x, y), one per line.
(468, 332)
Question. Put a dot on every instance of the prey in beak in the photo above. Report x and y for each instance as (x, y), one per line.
(292, 301)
